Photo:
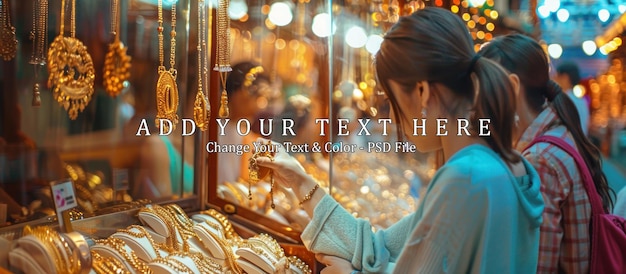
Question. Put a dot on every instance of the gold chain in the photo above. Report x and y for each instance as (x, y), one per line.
(142, 234)
(167, 89)
(130, 257)
(257, 173)
(8, 40)
(223, 53)
(107, 265)
(73, 20)
(39, 36)
(201, 106)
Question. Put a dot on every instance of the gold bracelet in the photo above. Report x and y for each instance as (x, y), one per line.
(302, 266)
(131, 258)
(309, 195)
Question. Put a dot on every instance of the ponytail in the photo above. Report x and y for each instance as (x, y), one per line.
(563, 107)
(494, 98)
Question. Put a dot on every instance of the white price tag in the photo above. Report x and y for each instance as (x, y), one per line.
(63, 195)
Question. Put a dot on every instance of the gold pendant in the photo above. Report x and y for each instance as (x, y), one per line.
(8, 43)
(116, 68)
(201, 112)
(167, 99)
(71, 74)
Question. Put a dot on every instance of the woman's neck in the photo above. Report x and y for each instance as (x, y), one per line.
(452, 144)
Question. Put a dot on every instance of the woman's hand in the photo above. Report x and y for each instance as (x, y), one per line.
(334, 264)
(288, 172)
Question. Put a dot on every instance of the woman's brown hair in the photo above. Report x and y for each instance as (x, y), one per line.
(434, 45)
(526, 58)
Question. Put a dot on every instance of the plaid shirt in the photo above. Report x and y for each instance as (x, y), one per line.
(564, 242)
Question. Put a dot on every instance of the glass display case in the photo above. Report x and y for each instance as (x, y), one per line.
(167, 102)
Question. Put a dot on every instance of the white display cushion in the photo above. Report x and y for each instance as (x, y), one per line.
(207, 235)
(37, 252)
(106, 251)
(170, 265)
(250, 268)
(142, 246)
(155, 222)
(22, 260)
(262, 262)
(201, 218)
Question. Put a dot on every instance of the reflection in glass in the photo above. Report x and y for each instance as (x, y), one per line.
(275, 48)
(113, 168)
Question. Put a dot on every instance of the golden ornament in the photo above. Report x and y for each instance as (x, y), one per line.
(116, 68)
(71, 74)
(167, 99)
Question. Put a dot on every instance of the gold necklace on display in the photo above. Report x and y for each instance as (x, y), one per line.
(167, 90)
(39, 36)
(201, 106)
(223, 53)
(70, 68)
(116, 62)
(8, 40)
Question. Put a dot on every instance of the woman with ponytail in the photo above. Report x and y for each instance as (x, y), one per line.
(544, 109)
(482, 210)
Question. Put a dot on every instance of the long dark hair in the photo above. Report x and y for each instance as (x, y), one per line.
(525, 57)
(434, 45)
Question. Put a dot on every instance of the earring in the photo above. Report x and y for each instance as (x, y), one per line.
(516, 120)
(423, 112)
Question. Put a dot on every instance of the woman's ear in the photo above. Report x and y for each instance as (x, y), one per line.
(515, 82)
(424, 91)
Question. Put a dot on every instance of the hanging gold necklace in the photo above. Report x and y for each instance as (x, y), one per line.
(223, 53)
(167, 90)
(8, 41)
(201, 107)
(70, 68)
(116, 62)
(39, 36)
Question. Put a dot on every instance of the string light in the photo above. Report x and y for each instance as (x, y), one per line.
(479, 19)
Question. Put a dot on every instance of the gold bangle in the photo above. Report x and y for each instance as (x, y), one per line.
(309, 195)
(45, 235)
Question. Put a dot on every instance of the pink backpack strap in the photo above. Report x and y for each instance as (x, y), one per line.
(594, 197)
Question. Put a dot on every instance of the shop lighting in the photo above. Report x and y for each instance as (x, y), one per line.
(373, 43)
(562, 15)
(553, 5)
(604, 15)
(280, 14)
(477, 3)
(555, 51)
(237, 9)
(543, 11)
(356, 37)
(589, 47)
(321, 25)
